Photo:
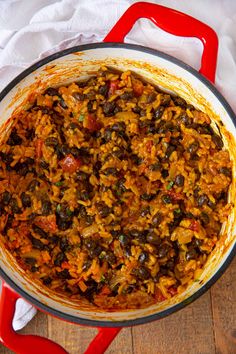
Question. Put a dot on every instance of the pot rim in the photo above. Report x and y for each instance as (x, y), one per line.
(220, 271)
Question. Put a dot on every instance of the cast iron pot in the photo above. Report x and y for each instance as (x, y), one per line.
(165, 71)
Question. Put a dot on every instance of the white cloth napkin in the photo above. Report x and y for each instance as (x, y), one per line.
(30, 30)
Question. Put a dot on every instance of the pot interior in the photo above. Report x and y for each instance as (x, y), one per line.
(168, 74)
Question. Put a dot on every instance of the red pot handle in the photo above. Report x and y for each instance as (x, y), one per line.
(174, 22)
(31, 344)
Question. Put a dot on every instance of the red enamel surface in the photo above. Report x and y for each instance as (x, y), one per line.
(174, 22)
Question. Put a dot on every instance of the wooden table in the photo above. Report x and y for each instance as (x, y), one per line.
(208, 326)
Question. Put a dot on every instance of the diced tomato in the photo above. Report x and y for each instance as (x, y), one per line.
(92, 124)
(113, 87)
(159, 296)
(175, 196)
(172, 291)
(38, 148)
(137, 87)
(70, 164)
(105, 290)
(194, 226)
(65, 265)
(149, 146)
(47, 223)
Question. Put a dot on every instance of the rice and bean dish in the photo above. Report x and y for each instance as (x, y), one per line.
(113, 191)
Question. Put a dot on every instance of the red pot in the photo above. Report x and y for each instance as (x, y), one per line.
(165, 71)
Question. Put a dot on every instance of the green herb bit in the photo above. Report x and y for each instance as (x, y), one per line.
(58, 207)
(177, 211)
(81, 118)
(58, 184)
(102, 255)
(170, 185)
(103, 279)
(69, 212)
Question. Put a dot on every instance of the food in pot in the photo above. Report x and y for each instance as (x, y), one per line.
(113, 191)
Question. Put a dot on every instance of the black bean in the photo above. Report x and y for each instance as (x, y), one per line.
(89, 219)
(110, 171)
(103, 209)
(25, 199)
(14, 138)
(51, 91)
(145, 211)
(193, 148)
(83, 195)
(51, 141)
(75, 152)
(108, 108)
(169, 151)
(155, 166)
(14, 206)
(73, 125)
(78, 96)
(64, 274)
(60, 258)
(185, 119)
(164, 127)
(163, 250)
(166, 198)
(110, 257)
(30, 134)
(164, 173)
(62, 103)
(118, 127)
(6, 197)
(107, 134)
(46, 207)
(140, 236)
(119, 153)
(40, 231)
(37, 244)
(7, 158)
(178, 101)
(87, 264)
(204, 218)
(124, 239)
(32, 185)
(94, 252)
(202, 199)
(165, 100)
(179, 180)
(90, 107)
(156, 219)
(63, 224)
(103, 90)
(170, 264)
(82, 176)
(127, 252)
(117, 109)
(192, 254)
(54, 240)
(136, 159)
(47, 280)
(151, 97)
(34, 269)
(44, 165)
(127, 95)
(136, 109)
(217, 141)
(30, 260)
(64, 245)
(143, 257)
(159, 112)
(142, 273)
(153, 238)
(147, 197)
(226, 171)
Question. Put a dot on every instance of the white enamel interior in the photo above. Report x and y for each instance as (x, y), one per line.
(159, 70)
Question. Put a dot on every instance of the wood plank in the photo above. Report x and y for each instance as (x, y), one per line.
(187, 331)
(75, 339)
(224, 311)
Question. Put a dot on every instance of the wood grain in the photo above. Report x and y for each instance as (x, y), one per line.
(208, 326)
(187, 331)
(224, 311)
